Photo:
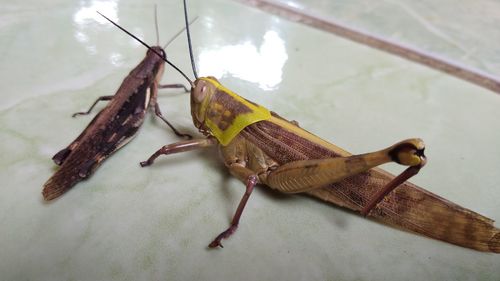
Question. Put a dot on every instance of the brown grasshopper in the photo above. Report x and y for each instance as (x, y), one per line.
(260, 147)
(116, 124)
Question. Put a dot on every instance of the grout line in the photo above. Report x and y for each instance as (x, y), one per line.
(475, 76)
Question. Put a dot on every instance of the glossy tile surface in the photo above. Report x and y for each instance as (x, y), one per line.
(463, 31)
(134, 223)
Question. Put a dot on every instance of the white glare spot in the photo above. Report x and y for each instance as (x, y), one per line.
(116, 59)
(89, 12)
(262, 65)
(293, 4)
(81, 37)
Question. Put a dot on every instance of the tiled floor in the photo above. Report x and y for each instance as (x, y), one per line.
(463, 31)
(154, 223)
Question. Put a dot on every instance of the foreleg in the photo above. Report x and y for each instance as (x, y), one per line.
(181, 146)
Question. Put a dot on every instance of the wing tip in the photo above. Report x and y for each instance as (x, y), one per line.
(494, 243)
(51, 191)
(57, 185)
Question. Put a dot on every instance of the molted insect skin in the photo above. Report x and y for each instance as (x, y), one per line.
(110, 129)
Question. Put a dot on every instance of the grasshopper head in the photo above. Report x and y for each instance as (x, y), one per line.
(158, 50)
(201, 95)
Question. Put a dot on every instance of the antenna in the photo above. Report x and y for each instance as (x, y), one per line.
(149, 48)
(189, 41)
(178, 33)
(156, 28)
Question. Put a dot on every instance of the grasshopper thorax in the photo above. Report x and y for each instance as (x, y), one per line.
(219, 112)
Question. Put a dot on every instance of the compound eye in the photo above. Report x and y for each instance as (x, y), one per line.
(200, 91)
(164, 54)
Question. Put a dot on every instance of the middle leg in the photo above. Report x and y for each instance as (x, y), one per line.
(251, 181)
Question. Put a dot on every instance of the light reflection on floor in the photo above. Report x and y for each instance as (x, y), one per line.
(245, 61)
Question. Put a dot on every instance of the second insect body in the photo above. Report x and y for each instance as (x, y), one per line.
(114, 126)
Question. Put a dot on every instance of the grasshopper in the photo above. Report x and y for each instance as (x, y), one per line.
(260, 147)
(116, 124)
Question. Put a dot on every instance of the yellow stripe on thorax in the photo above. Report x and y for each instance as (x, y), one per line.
(255, 113)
